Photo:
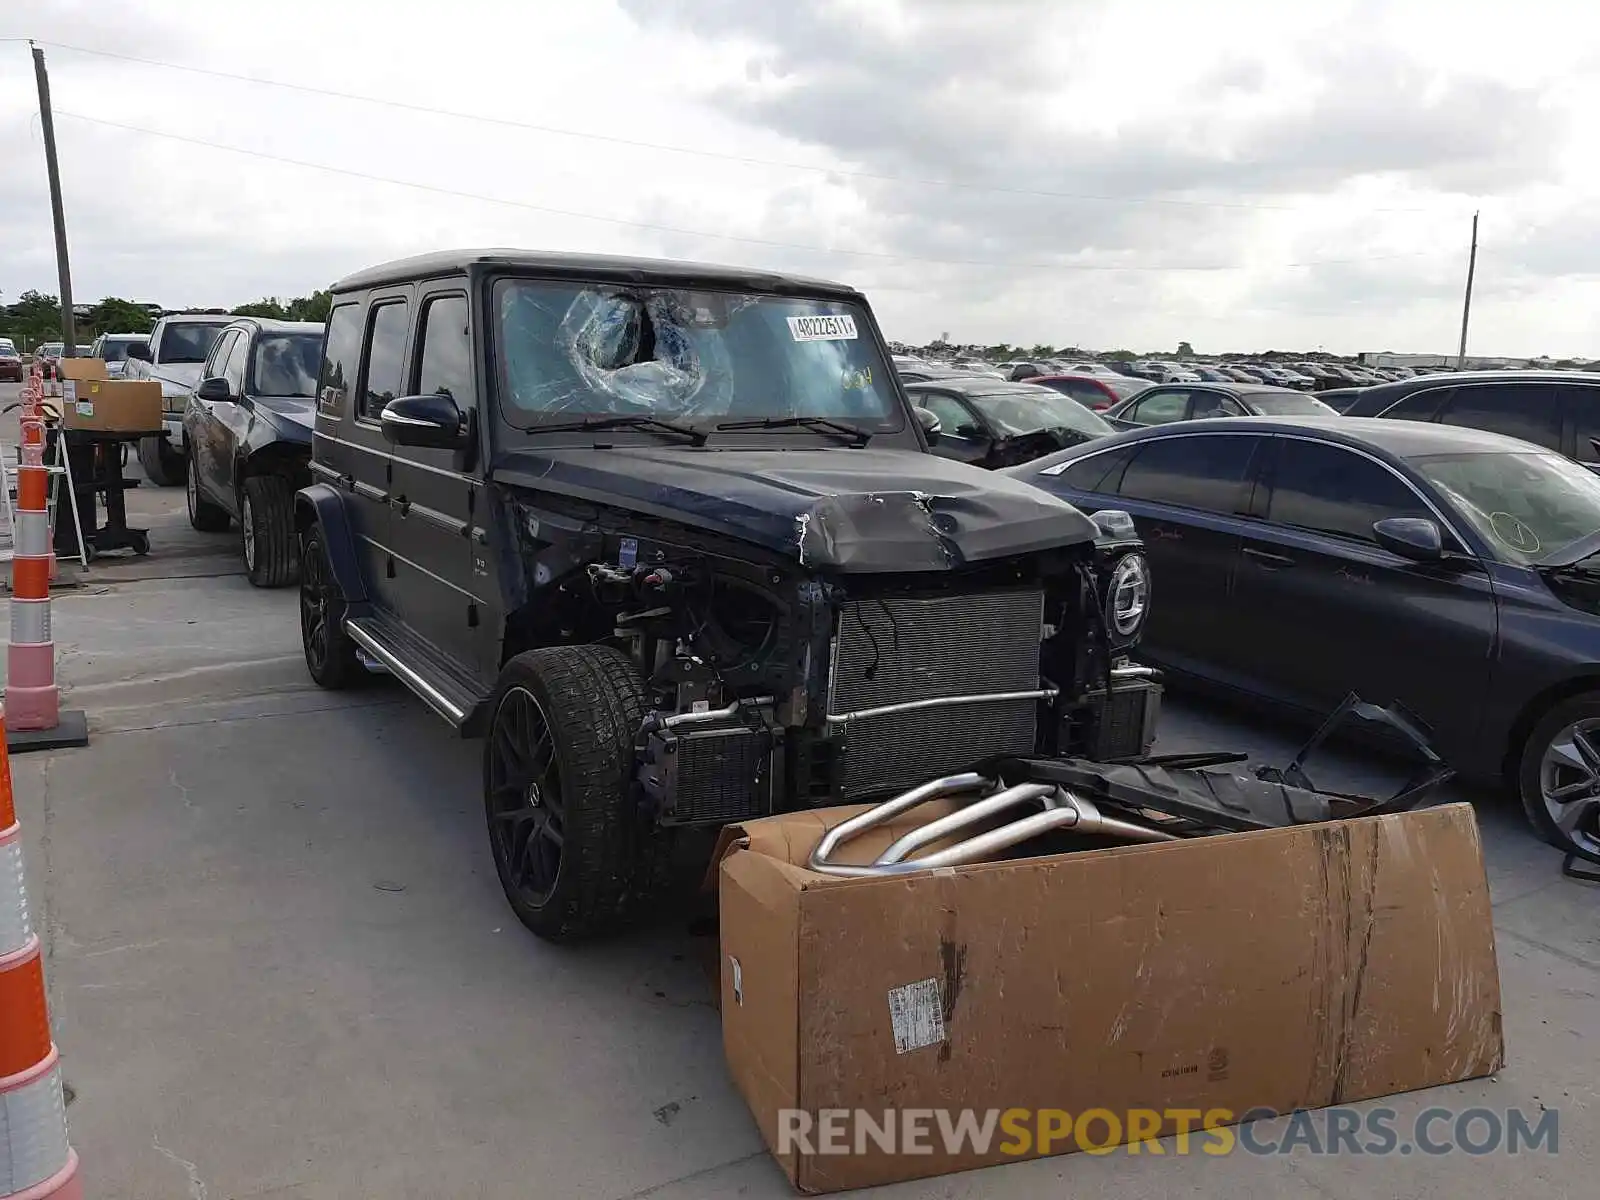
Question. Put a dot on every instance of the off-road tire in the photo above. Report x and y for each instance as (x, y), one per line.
(338, 666)
(203, 515)
(266, 522)
(163, 465)
(1568, 712)
(593, 701)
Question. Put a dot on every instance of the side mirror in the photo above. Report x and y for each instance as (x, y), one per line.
(1416, 538)
(968, 430)
(432, 421)
(214, 389)
(141, 351)
(931, 428)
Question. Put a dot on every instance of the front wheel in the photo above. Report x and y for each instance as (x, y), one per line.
(163, 465)
(557, 771)
(1558, 778)
(266, 523)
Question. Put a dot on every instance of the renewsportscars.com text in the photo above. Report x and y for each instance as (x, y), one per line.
(1215, 1131)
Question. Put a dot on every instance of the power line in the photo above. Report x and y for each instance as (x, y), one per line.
(746, 160)
(698, 233)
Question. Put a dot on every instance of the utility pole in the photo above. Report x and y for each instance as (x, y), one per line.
(69, 334)
(1466, 304)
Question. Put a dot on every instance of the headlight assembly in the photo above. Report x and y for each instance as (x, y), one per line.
(1128, 595)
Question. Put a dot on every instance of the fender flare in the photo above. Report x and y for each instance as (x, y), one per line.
(322, 506)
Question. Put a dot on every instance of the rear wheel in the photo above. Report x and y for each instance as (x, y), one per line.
(163, 465)
(203, 515)
(1558, 778)
(330, 654)
(557, 769)
(266, 523)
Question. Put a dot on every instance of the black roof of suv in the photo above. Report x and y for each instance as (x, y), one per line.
(1559, 410)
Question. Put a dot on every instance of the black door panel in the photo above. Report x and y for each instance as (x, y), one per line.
(1323, 610)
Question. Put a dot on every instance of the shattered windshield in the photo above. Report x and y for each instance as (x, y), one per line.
(570, 351)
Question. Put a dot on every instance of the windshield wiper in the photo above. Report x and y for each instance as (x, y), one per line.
(857, 435)
(697, 437)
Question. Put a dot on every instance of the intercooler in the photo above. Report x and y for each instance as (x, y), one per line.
(901, 650)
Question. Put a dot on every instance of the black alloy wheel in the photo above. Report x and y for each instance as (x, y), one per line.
(527, 819)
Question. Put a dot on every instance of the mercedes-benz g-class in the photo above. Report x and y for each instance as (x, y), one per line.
(669, 538)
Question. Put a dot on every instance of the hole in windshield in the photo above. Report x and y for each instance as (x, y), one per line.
(570, 351)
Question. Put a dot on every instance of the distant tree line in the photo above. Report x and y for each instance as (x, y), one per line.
(36, 317)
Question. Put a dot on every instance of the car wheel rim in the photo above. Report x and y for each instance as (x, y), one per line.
(527, 818)
(314, 611)
(247, 522)
(1569, 783)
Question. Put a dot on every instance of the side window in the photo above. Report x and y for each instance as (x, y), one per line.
(1529, 411)
(1329, 489)
(233, 366)
(1205, 472)
(951, 412)
(1099, 472)
(1213, 404)
(1419, 406)
(385, 358)
(1159, 409)
(339, 352)
(1584, 402)
(218, 358)
(446, 357)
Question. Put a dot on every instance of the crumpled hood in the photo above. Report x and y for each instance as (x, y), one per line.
(291, 415)
(859, 511)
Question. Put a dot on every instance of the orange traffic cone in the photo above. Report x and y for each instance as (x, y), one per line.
(36, 1160)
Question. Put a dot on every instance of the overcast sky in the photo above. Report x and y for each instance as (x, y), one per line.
(1107, 173)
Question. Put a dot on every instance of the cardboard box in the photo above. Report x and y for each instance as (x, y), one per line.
(81, 368)
(1284, 969)
(112, 405)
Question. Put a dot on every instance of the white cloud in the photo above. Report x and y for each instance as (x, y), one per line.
(1237, 174)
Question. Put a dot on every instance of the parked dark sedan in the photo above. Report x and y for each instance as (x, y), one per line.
(1452, 570)
(247, 439)
(996, 423)
(1556, 409)
(1196, 401)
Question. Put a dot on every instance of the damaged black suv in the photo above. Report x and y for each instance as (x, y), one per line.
(668, 537)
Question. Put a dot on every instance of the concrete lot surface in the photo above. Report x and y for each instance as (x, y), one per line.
(280, 963)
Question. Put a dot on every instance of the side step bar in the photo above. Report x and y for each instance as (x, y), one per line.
(419, 667)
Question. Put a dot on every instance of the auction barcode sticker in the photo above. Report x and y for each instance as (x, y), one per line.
(841, 328)
(916, 1013)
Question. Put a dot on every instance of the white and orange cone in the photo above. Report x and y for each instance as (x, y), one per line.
(33, 701)
(37, 1161)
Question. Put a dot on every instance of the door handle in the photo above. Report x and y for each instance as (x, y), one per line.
(401, 503)
(1269, 560)
(349, 481)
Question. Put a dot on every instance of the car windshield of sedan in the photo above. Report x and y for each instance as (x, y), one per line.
(1528, 505)
(1290, 404)
(1015, 413)
(287, 364)
(570, 351)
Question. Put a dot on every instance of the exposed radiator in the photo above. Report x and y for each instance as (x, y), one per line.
(902, 649)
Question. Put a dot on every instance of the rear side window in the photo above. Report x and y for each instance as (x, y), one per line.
(1419, 406)
(339, 357)
(385, 357)
(1585, 406)
(1158, 410)
(1099, 472)
(1205, 471)
(1328, 489)
(233, 367)
(1529, 411)
(446, 360)
(218, 358)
